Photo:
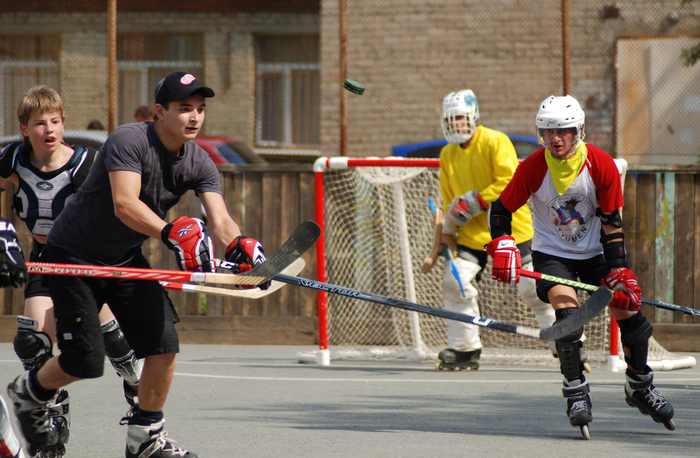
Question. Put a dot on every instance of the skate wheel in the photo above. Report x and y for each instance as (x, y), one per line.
(587, 368)
(463, 368)
(438, 367)
(670, 425)
(451, 369)
(585, 432)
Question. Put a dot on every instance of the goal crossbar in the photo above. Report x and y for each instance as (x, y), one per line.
(364, 207)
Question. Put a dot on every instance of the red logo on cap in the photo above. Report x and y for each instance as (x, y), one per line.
(187, 79)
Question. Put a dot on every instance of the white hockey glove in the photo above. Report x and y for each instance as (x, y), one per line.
(464, 208)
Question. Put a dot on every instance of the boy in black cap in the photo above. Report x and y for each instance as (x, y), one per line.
(141, 172)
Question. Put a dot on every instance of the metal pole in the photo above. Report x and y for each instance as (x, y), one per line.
(112, 65)
(566, 76)
(343, 6)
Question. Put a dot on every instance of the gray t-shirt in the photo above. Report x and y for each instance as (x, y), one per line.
(88, 228)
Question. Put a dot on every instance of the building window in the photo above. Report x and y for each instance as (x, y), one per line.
(144, 59)
(287, 91)
(25, 61)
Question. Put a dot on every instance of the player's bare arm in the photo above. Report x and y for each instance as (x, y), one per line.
(126, 187)
(223, 228)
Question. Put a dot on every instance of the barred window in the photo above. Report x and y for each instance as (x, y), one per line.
(287, 91)
(25, 61)
(144, 59)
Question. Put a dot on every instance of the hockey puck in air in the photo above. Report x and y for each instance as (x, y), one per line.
(353, 86)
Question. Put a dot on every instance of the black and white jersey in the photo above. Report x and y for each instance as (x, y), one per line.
(41, 196)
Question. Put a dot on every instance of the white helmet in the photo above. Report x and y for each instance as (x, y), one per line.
(560, 113)
(462, 103)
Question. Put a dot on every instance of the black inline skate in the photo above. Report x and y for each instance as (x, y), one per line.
(451, 359)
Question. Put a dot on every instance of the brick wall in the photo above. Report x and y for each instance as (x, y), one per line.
(411, 53)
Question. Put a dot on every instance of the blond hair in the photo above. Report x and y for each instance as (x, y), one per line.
(42, 99)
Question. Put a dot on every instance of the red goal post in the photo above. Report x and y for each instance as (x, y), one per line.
(375, 233)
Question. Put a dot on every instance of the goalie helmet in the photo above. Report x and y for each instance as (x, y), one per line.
(462, 103)
(560, 113)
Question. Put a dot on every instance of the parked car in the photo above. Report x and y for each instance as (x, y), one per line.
(228, 150)
(221, 150)
(524, 146)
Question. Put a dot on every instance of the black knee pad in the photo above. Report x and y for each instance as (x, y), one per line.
(563, 314)
(634, 334)
(569, 348)
(33, 348)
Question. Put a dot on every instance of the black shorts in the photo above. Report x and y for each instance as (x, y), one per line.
(590, 271)
(142, 307)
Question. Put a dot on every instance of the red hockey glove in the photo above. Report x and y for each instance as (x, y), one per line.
(193, 248)
(631, 298)
(506, 259)
(245, 250)
(465, 207)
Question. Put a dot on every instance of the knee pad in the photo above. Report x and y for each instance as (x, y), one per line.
(563, 314)
(569, 348)
(634, 334)
(32, 347)
(120, 353)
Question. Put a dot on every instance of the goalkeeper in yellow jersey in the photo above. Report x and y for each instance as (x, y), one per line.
(475, 167)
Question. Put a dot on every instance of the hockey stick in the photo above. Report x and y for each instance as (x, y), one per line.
(588, 310)
(593, 288)
(255, 293)
(301, 240)
(446, 252)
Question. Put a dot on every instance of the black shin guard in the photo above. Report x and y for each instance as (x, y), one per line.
(569, 349)
(120, 353)
(635, 333)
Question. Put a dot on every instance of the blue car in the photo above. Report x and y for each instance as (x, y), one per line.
(524, 146)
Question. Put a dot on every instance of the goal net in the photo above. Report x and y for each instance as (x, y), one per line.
(378, 229)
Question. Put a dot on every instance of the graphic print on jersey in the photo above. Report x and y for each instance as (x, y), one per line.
(571, 215)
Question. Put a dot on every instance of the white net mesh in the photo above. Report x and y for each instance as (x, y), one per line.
(378, 224)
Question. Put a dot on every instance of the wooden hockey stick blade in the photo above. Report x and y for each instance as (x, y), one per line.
(535, 333)
(301, 240)
(587, 287)
(255, 293)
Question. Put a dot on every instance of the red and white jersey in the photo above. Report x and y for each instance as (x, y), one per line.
(566, 225)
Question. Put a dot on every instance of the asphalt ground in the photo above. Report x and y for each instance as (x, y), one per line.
(257, 401)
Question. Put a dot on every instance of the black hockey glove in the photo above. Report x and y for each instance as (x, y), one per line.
(13, 269)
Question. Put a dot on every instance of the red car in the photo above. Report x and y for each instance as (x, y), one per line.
(228, 150)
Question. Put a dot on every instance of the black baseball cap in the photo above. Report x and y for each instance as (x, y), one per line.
(179, 86)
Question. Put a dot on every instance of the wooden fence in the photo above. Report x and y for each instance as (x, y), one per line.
(661, 220)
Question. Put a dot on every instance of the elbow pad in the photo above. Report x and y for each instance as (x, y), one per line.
(614, 252)
(613, 219)
(500, 220)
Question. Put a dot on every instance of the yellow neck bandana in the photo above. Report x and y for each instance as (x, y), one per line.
(565, 171)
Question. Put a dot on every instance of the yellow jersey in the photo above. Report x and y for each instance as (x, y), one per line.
(487, 165)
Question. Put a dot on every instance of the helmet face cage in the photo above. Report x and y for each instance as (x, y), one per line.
(460, 114)
(560, 113)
